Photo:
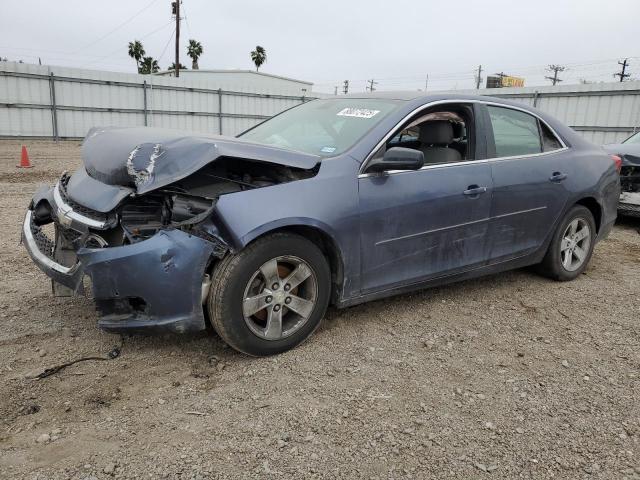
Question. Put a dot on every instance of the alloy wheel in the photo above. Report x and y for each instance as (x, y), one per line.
(280, 297)
(575, 243)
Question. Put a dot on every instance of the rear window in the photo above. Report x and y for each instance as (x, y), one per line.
(549, 141)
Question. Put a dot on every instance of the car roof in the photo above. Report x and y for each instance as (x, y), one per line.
(419, 98)
(426, 97)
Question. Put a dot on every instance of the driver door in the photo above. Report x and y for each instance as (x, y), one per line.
(423, 224)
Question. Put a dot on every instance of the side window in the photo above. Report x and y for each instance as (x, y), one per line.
(514, 132)
(549, 141)
(443, 136)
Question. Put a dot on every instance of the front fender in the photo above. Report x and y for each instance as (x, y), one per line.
(327, 202)
(289, 222)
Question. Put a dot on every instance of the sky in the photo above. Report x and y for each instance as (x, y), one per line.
(396, 43)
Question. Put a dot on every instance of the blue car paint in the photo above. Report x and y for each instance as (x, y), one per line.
(372, 267)
(415, 225)
(392, 233)
(164, 270)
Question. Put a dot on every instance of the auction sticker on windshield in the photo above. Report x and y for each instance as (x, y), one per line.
(358, 112)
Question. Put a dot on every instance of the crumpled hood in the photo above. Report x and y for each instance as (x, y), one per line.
(146, 158)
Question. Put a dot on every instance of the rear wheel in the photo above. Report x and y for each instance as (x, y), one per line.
(571, 246)
(271, 296)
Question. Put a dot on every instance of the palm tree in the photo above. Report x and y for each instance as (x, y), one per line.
(136, 51)
(194, 50)
(259, 56)
(173, 66)
(149, 65)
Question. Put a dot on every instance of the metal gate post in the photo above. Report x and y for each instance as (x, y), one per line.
(144, 94)
(54, 113)
(220, 111)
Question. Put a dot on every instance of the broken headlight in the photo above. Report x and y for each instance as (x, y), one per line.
(142, 217)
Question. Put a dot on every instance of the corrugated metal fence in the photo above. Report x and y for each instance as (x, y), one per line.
(38, 101)
(600, 112)
(55, 102)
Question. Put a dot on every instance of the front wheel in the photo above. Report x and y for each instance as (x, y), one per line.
(571, 246)
(270, 296)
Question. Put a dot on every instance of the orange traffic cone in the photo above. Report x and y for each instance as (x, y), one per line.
(24, 159)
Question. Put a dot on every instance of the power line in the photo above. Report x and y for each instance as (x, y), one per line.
(126, 22)
(166, 46)
(121, 48)
(419, 78)
(186, 20)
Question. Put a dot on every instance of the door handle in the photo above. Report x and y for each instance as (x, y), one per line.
(557, 177)
(474, 190)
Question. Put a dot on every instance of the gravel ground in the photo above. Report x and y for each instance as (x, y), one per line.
(509, 376)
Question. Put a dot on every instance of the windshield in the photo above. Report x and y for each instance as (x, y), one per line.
(322, 127)
(635, 138)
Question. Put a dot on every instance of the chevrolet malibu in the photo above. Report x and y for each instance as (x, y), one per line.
(336, 201)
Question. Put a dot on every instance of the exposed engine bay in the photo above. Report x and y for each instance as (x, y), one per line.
(630, 185)
(182, 204)
(630, 178)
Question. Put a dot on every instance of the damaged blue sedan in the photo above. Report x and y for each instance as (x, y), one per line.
(336, 201)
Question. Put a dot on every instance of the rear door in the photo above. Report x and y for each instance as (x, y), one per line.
(529, 170)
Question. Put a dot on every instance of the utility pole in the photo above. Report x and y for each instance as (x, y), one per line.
(479, 77)
(345, 87)
(371, 87)
(176, 11)
(335, 91)
(623, 74)
(555, 69)
(426, 83)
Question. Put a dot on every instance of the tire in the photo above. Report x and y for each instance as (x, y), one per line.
(241, 282)
(555, 264)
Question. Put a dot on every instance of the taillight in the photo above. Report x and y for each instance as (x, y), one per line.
(618, 162)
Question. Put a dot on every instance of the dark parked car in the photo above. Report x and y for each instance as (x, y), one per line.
(629, 153)
(339, 201)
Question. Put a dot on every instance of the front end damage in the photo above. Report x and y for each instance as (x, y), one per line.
(630, 186)
(147, 264)
(629, 154)
(144, 227)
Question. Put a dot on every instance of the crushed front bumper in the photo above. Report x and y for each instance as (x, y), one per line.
(41, 249)
(155, 283)
(629, 204)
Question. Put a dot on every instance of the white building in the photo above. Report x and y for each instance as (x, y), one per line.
(244, 80)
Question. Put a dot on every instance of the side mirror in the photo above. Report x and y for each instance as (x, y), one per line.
(397, 158)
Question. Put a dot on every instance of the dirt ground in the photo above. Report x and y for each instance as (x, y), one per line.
(509, 376)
